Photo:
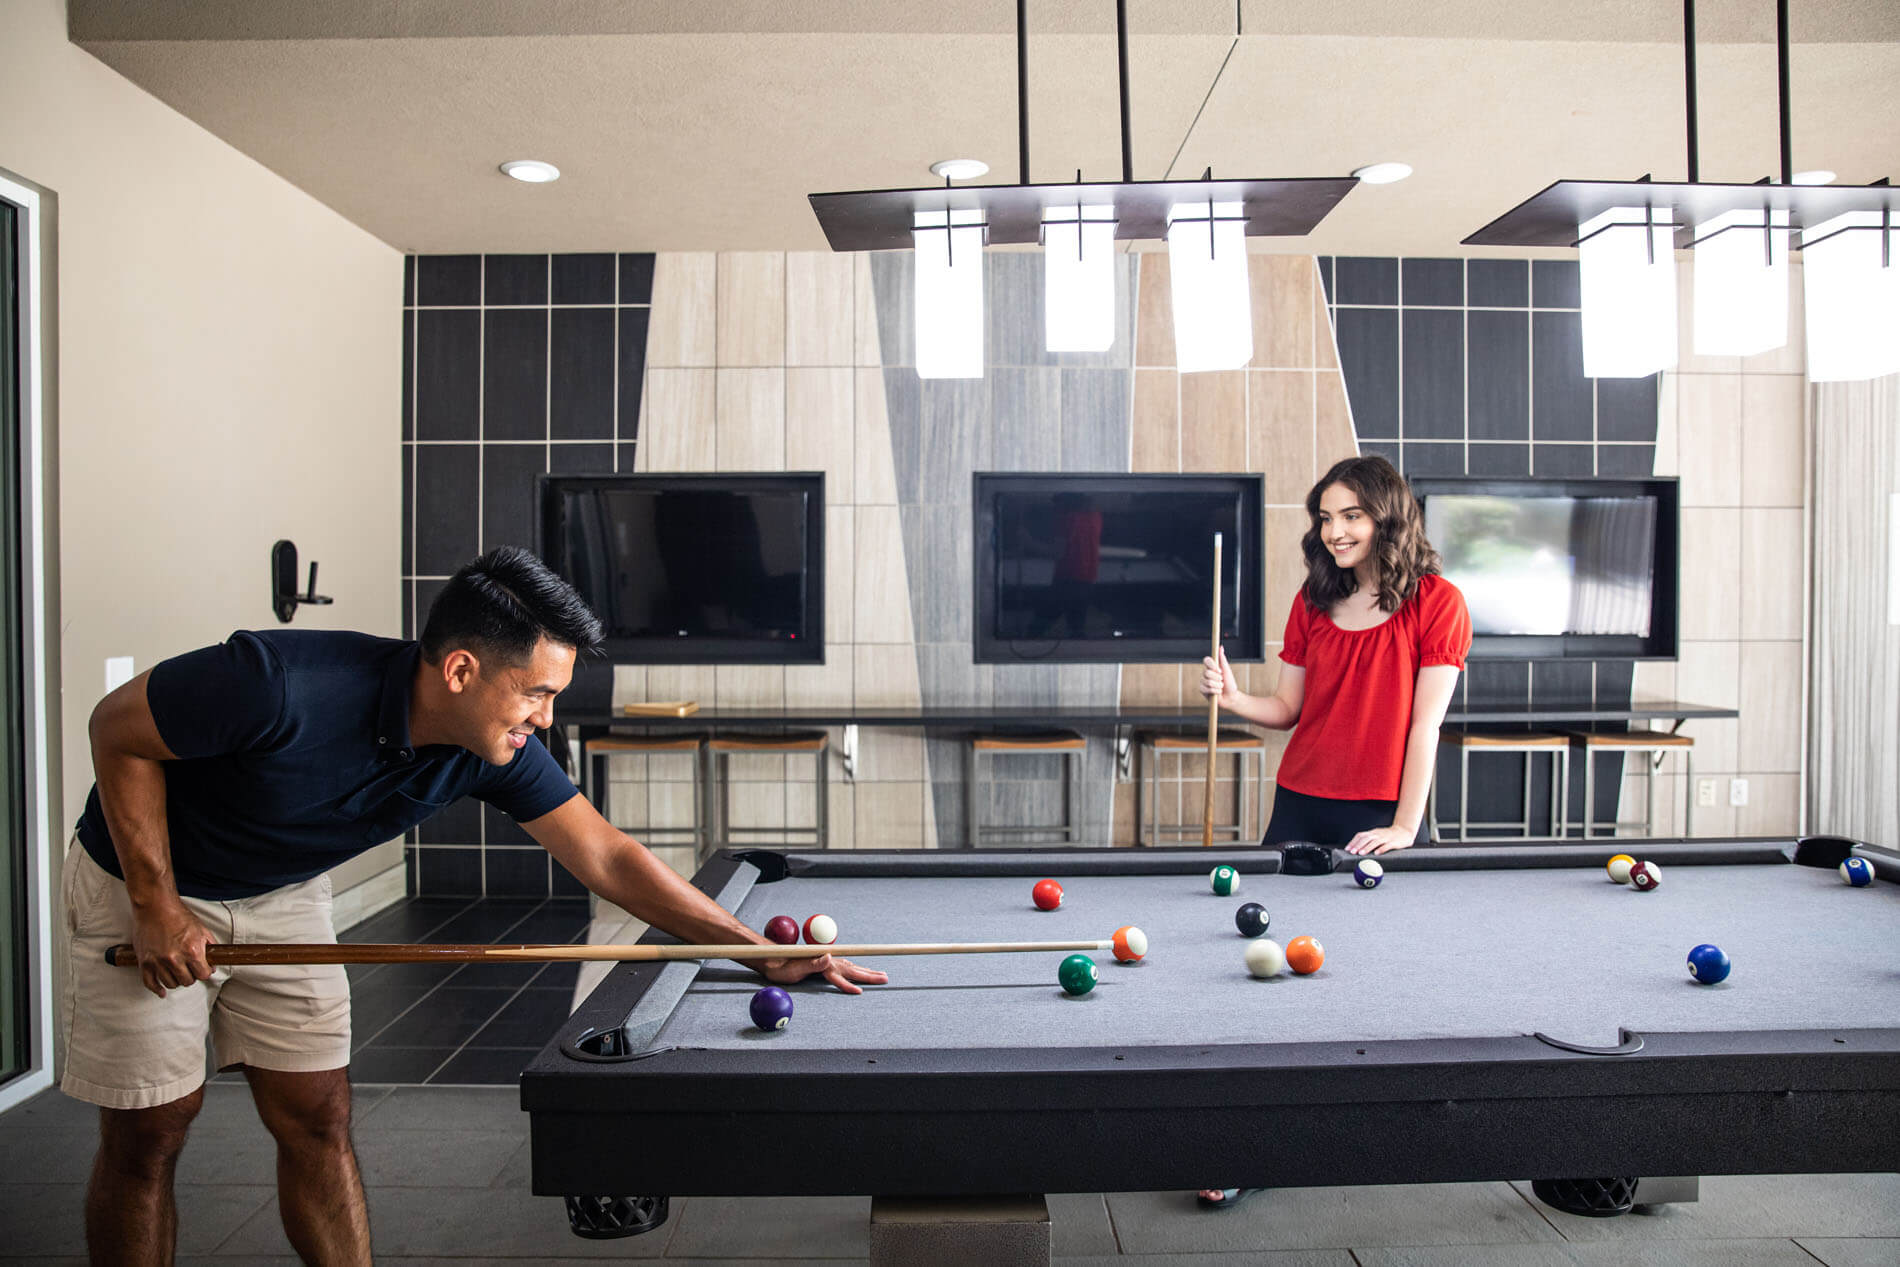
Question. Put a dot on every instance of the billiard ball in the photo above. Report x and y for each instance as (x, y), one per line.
(1251, 919)
(771, 1008)
(1047, 895)
(1077, 974)
(782, 929)
(1645, 876)
(1858, 872)
(1265, 958)
(1619, 868)
(821, 930)
(1304, 955)
(1130, 943)
(1226, 881)
(1708, 964)
(1368, 874)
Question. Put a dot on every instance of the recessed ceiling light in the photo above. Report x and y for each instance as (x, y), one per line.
(1819, 176)
(959, 168)
(1383, 173)
(532, 170)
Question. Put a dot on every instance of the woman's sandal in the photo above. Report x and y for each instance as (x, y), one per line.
(1229, 1198)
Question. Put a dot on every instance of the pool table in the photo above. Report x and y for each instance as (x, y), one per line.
(1501, 1012)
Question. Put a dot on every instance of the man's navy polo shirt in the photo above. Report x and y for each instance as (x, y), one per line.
(294, 755)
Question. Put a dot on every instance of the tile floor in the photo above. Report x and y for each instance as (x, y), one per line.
(446, 1167)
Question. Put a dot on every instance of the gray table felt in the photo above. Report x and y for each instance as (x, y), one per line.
(1425, 955)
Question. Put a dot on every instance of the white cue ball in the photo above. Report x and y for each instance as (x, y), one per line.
(1265, 958)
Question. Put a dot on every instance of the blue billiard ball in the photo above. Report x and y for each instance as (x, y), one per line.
(771, 1008)
(1858, 872)
(1708, 964)
(1368, 874)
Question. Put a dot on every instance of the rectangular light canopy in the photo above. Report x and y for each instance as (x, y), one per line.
(1851, 268)
(1741, 283)
(949, 294)
(1628, 267)
(1078, 261)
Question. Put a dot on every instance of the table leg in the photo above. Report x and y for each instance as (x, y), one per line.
(1003, 1231)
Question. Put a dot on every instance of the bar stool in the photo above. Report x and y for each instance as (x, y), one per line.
(813, 743)
(1654, 745)
(1243, 745)
(1069, 744)
(594, 768)
(1529, 745)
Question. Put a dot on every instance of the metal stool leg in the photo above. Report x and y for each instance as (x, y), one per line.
(821, 784)
(1464, 795)
(1688, 793)
(1589, 792)
(969, 792)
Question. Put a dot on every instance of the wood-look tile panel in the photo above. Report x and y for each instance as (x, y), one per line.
(1774, 439)
(886, 674)
(751, 420)
(1152, 685)
(1280, 431)
(1285, 565)
(821, 430)
(1772, 599)
(1711, 577)
(1770, 675)
(1214, 421)
(751, 321)
(819, 315)
(1281, 292)
(882, 591)
(876, 474)
(677, 426)
(1709, 438)
(683, 322)
(1154, 312)
(1325, 346)
(1333, 436)
(827, 685)
(1156, 438)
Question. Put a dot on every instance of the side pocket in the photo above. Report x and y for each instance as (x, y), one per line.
(83, 886)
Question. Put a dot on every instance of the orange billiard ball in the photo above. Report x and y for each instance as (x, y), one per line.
(1304, 955)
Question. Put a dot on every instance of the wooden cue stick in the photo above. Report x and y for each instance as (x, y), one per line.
(122, 956)
(1213, 716)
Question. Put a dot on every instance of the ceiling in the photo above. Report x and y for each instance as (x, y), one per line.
(687, 125)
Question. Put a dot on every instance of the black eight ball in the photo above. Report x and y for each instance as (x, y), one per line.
(1251, 919)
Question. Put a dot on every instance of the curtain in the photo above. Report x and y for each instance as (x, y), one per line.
(1854, 735)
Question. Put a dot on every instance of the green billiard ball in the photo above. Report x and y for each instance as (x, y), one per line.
(1077, 974)
(1226, 881)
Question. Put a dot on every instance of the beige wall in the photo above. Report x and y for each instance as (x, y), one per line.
(227, 374)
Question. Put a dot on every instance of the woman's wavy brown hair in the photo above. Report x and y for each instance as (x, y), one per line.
(1398, 542)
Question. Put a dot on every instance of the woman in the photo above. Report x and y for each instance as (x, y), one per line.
(1373, 647)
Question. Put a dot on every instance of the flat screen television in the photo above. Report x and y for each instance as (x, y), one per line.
(1560, 568)
(1115, 568)
(694, 569)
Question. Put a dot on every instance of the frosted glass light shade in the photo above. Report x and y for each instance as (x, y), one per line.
(1078, 271)
(948, 248)
(1213, 322)
(1853, 303)
(1629, 298)
(1741, 283)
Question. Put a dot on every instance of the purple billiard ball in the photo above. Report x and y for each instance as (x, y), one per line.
(782, 929)
(771, 1008)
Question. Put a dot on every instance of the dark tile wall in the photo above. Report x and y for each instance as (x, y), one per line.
(513, 366)
(1475, 367)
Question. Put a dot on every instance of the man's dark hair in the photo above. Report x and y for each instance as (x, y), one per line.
(502, 604)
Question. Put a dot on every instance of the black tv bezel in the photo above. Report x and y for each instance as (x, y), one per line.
(1246, 645)
(1664, 640)
(807, 648)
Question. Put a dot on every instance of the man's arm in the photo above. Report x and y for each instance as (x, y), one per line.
(126, 752)
(625, 872)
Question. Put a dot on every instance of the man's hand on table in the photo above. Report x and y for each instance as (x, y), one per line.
(844, 974)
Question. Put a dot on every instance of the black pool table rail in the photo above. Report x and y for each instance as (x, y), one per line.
(955, 1119)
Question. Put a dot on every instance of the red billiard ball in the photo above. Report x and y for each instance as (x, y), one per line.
(1047, 895)
(1645, 876)
(782, 929)
(821, 930)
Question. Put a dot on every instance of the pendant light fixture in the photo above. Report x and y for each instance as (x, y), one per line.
(1741, 235)
(1080, 223)
(1627, 263)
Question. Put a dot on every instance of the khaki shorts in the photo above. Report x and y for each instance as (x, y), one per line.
(126, 1048)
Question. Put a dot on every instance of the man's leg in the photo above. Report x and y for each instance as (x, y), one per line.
(319, 1191)
(131, 1217)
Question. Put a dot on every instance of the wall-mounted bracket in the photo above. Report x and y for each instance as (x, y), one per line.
(283, 582)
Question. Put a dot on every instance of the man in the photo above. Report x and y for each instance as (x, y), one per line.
(228, 780)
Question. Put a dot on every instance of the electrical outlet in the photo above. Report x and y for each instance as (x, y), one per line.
(1705, 793)
(1738, 791)
(118, 671)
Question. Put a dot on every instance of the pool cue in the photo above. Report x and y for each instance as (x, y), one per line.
(1213, 716)
(122, 956)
